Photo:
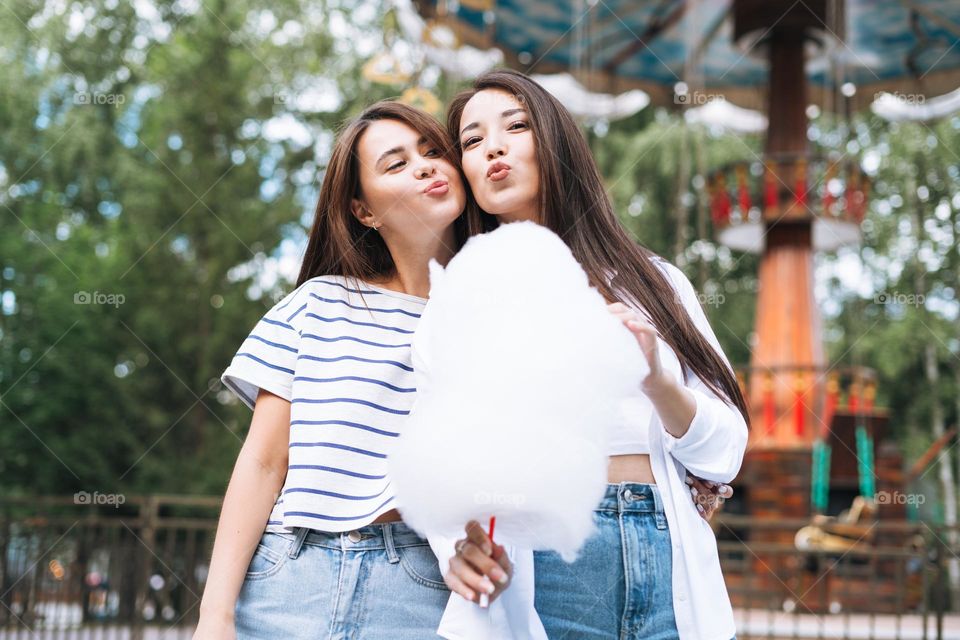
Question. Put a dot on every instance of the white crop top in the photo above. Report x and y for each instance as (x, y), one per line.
(638, 418)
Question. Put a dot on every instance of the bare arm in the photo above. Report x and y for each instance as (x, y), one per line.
(257, 478)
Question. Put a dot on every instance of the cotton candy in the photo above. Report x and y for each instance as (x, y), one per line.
(521, 371)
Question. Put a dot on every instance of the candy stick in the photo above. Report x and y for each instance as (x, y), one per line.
(484, 598)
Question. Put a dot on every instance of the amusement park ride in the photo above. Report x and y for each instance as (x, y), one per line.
(819, 450)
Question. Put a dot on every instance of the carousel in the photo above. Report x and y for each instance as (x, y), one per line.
(819, 453)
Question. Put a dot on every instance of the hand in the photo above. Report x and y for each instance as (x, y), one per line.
(708, 495)
(646, 335)
(479, 566)
(215, 627)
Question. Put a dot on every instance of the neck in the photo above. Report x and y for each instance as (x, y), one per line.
(529, 214)
(413, 276)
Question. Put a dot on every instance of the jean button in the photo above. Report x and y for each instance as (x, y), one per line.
(354, 536)
(627, 494)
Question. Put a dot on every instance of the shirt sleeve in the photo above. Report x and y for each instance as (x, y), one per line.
(268, 356)
(714, 445)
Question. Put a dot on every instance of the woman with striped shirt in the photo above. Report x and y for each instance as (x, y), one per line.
(309, 544)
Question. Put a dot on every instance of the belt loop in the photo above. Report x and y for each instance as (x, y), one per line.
(659, 515)
(297, 542)
(392, 556)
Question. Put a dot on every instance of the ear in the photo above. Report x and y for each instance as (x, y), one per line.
(362, 214)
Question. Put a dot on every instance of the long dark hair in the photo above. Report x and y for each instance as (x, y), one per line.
(574, 204)
(338, 243)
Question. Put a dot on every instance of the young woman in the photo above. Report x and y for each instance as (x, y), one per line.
(652, 569)
(309, 544)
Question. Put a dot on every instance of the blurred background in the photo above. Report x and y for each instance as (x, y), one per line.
(800, 161)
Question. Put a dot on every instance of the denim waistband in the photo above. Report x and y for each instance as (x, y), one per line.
(631, 497)
(386, 535)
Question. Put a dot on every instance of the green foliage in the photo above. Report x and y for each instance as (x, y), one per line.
(140, 160)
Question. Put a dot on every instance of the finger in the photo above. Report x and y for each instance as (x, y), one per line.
(700, 485)
(725, 491)
(479, 537)
(638, 326)
(500, 555)
(484, 564)
(456, 585)
(701, 498)
(469, 576)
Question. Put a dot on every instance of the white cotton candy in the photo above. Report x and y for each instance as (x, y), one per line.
(521, 370)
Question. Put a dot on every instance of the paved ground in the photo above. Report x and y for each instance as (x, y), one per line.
(750, 624)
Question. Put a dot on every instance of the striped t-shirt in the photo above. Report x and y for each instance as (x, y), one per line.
(339, 351)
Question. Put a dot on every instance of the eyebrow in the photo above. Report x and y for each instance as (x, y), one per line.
(505, 114)
(397, 149)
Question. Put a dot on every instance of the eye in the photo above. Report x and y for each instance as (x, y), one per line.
(433, 152)
(396, 165)
(469, 141)
(518, 122)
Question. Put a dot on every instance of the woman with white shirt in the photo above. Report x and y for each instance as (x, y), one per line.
(652, 569)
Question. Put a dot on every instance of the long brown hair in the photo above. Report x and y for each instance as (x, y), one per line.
(574, 205)
(339, 244)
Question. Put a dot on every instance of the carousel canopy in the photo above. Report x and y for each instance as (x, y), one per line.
(857, 49)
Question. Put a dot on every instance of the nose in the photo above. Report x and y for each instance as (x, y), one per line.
(496, 149)
(426, 170)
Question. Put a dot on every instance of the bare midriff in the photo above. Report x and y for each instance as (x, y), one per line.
(390, 516)
(634, 467)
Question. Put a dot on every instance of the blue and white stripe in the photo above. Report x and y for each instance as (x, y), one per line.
(339, 351)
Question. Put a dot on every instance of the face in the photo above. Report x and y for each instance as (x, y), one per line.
(499, 155)
(409, 192)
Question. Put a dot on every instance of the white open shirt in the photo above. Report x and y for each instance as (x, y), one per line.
(712, 449)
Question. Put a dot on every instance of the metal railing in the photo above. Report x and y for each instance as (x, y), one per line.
(76, 569)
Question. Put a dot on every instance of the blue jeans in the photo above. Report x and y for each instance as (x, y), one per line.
(621, 585)
(377, 582)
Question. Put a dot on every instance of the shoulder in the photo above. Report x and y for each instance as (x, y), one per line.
(333, 285)
(677, 278)
(315, 292)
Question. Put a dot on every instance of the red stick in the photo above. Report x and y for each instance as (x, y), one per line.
(493, 521)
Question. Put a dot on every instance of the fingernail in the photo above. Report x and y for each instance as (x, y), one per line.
(487, 549)
(700, 508)
(499, 576)
(487, 585)
(688, 480)
(694, 492)
(484, 601)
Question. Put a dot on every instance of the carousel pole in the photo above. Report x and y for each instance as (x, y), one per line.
(788, 327)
